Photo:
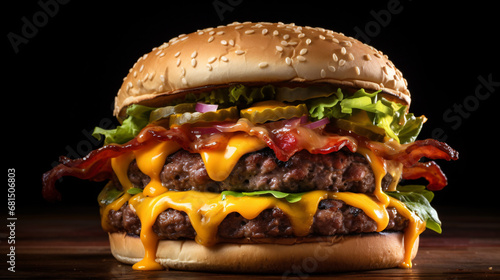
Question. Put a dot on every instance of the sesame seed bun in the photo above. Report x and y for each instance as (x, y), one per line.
(348, 253)
(257, 53)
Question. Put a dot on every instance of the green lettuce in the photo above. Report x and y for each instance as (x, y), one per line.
(392, 117)
(417, 199)
(137, 119)
(289, 197)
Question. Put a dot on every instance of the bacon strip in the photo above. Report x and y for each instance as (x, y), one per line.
(428, 170)
(411, 154)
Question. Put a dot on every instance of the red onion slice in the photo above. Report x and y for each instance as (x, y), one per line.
(203, 108)
(317, 124)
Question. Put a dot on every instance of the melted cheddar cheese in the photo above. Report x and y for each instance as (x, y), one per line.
(207, 210)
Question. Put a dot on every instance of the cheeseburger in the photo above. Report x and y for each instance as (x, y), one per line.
(258, 147)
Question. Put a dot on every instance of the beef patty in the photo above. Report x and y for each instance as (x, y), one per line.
(261, 170)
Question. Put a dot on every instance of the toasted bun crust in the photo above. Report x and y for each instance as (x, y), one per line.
(350, 253)
(257, 53)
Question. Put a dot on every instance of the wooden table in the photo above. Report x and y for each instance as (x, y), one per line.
(58, 245)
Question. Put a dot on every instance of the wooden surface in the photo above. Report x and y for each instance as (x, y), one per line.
(59, 245)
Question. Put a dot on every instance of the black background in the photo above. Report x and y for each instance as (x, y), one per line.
(62, 80)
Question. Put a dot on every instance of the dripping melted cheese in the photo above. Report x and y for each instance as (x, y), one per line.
(207, 210)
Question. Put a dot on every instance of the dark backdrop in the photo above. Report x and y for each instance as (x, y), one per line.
(64, 62)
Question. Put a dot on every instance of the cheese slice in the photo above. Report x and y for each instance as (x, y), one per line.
(219, 163)
(150, 161)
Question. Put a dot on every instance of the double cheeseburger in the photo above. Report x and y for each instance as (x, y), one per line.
(263, 147)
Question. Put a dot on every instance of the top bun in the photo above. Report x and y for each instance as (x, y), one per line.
(257, 53)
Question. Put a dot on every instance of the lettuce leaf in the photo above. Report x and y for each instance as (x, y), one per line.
(417, 198)
(392, 117)
(289, 197)
(137, 119)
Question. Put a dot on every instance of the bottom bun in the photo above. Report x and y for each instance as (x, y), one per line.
(347, 253)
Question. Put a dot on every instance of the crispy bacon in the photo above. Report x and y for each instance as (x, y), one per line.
(428, 170)
(411, 154)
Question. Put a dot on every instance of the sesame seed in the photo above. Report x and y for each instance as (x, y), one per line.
(201, 33)
(377, 55)
(162, 78)
(301, 35)
(178, 62)
(357, 70)
(184, 81)
(239, 52)
(263, 64)
(231, 43)
(279, 48)
(343, 50)
(351, 56)
(284, 43)
(152, 75)
(303, 51)
(301, 58)
(183, 72)
(130, 85)
(193, 62)
(323, 73)
(220, 33)
(367, 57)
(223, 58)
(346, 43)
(322, 37)
(211, 32)
(209, 67)
(161, 54)
(335, 58)
(250, 31)
(212, 59)
(194, 54)
(331, 68)
(292, 43)
(135, 74)
(308, 41)
(238, 27)
(276, 33)
(211, 39)
(163, 46)
(223, 42)
(146, 76)
(384, 68)
(177, 54)
(335, 40)
(264, 31)
(139, 83)
(341, 63)
(288, 61)
(286, 37)
(142, 68)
